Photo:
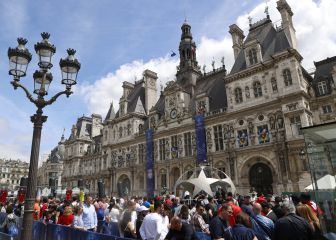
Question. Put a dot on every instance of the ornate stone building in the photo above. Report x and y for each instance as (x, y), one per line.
(50, 172)
(253, 116)
(11, 173)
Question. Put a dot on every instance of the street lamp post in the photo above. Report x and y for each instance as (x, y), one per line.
(19, 59)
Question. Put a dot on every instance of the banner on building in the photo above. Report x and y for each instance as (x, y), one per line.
(200, 139)
(150, 162)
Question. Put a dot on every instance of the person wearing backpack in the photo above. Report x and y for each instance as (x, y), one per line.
(10, 224)
(128, 221)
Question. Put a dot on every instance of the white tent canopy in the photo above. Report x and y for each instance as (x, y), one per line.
(324, 183)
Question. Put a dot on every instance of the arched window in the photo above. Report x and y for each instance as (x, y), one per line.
(274, 85)
(129, 129)
(257, 89)
(114, 134)
(287, 77)
(238, 95)
(252, 54)
(120, 131)
(140, 127)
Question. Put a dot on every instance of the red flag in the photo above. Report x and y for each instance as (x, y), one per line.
(3, 196)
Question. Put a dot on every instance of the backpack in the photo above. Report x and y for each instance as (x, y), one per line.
(125, 220)
(12, 229)
(100, 214)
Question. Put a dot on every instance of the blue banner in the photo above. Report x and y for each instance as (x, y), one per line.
(150, 162)
(200, 139)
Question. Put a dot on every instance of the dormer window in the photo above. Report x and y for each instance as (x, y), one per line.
(322, 87)
(287, 77)
(257, 89)
(252, 55)
(238, 95)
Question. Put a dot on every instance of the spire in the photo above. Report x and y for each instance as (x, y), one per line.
(110, 114)
(187, 48)
(62, 138)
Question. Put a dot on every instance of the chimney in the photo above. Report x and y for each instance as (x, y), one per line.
(150, 78)
(287, 22)
(237, 39)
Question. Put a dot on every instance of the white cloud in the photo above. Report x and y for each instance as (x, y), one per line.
(314, 28)
(99, 95)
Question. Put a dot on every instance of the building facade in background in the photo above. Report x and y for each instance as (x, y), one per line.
(50, 172)
(11, 173)
(253, 115)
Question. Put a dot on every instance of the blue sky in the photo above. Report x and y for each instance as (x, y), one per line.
(117, 40)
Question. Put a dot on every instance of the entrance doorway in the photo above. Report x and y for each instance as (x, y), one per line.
(261, 178)
(124, 186)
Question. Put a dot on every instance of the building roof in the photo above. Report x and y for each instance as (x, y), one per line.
(271, 41)
(324, 73)
(214, 87)
(134, 98)
(110, 114)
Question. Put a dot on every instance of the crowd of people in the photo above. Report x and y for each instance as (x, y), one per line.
(222, 216)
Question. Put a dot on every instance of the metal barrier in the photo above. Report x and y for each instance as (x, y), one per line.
(4, 236)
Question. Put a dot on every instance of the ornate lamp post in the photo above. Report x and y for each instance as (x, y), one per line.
(19, 59)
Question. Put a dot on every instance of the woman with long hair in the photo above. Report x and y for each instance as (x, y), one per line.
(303, 210)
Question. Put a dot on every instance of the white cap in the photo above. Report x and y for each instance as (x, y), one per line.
(142, 208)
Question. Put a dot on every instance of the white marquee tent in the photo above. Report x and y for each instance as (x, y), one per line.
(325, 183)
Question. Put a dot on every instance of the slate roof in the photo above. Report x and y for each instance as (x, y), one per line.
(110, 114)
(160, 106)
(323, 73)
(214, 87)
(270, 40)
(137, 92)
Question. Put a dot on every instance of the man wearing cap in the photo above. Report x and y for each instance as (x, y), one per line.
(142, 212)
(151, 226)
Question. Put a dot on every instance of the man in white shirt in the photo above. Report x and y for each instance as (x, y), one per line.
(151, 226)
(89, 215)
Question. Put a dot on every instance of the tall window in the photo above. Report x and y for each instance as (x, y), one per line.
(120, 131)
(129, 129)
(257, 89)
(274, 85)
(174, 147)
(141, 155)
(218, 137)
(187, 144)
(296, 124)
(162, 149)
(253, 56)
(238, 95)
(287, 77)
(322, 87)
(327, 109)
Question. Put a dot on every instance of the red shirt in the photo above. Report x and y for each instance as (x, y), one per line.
(65, 220)
(44, 207)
